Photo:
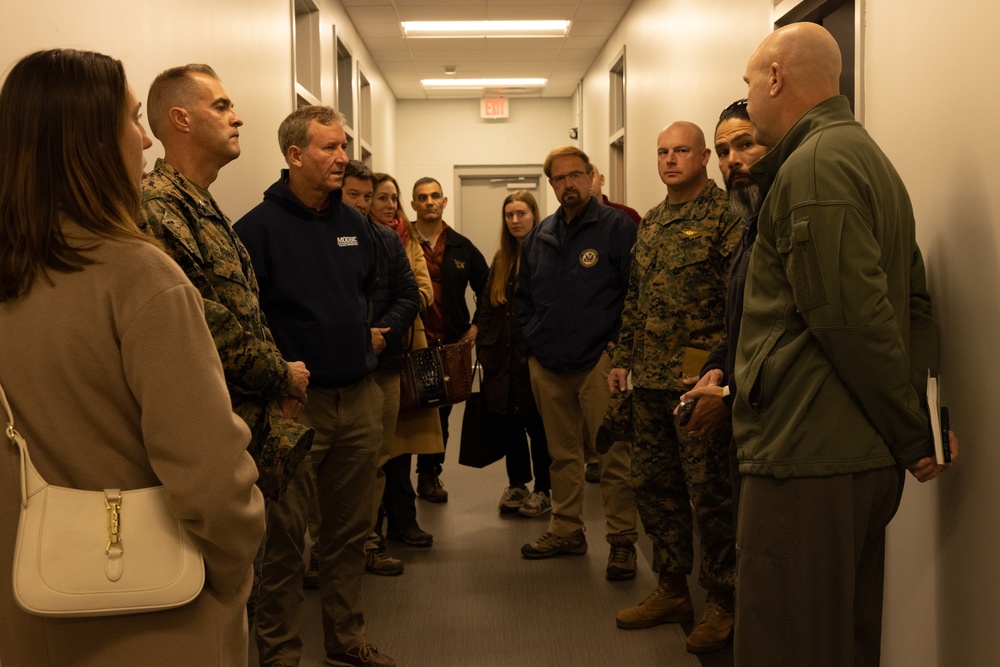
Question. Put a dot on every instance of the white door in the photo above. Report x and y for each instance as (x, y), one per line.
(478, 212)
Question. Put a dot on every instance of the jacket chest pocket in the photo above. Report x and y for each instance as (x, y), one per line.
(687, 252)
(802, 266)
(232, 284)
(643, 257)
(227, 267)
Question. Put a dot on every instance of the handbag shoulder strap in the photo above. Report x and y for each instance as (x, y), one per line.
(22, 446)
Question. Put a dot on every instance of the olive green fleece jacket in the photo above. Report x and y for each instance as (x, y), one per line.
(837, 335)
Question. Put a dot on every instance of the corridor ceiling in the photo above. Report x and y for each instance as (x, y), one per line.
(563, 60)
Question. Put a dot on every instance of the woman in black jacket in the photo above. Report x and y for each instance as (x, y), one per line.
(506, 384)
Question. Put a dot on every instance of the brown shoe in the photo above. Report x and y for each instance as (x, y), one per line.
(621, 560)
(429, 488)
(366, 655)
(716, 626)
(669, 603)
(379, 562)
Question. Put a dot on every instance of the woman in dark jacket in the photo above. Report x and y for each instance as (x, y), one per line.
(506, 385)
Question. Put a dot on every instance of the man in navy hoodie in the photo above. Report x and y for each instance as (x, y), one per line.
(315, 262)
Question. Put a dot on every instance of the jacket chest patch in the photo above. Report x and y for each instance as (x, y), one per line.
(345, 241)
(588, 258)
(459, 265)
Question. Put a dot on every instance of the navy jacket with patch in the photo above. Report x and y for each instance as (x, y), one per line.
(572, 285)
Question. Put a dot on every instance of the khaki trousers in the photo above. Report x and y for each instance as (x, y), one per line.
(566, 402)
(343, 457)
(388, 382)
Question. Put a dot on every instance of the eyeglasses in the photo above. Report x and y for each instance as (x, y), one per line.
(573, 175)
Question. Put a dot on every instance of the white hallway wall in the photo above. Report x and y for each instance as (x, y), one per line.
(929, 102)
(248, 42)
(684, 61)
(435, 136)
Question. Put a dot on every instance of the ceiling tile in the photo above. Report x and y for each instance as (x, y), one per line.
(564, 60)
(370, 13)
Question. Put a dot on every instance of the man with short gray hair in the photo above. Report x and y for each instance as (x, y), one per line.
(316, 262)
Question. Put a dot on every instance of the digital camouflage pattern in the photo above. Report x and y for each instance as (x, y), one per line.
(192, 229)
(674, 315)
(676, 298)
(674, 474)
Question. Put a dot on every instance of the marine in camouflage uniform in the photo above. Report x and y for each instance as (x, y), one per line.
(193, 230)
(673, 317)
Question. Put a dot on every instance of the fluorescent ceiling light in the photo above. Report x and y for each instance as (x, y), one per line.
(483, 83)
(440, 29)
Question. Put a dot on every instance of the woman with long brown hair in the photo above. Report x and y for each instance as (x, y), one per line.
(111, 374)
(417, 431)
(506, 383)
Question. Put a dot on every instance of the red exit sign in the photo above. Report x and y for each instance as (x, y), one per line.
(494, 107)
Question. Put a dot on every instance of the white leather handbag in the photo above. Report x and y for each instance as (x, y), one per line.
(98, 553)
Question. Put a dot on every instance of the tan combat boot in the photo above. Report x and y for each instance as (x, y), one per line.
(669, 603)
(716, 626)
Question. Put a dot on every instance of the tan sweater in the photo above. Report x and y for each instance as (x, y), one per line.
(114, 381)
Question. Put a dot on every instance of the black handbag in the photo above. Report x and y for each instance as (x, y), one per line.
(481, 443)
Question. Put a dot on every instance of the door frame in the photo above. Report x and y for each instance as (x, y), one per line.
(503, 171)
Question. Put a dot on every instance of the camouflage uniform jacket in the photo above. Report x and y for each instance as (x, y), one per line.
(675, 306)
(193, 230)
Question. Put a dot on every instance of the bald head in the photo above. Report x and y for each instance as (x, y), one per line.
(596, 182)
(682, 160)
(687, 130)
(794, 69)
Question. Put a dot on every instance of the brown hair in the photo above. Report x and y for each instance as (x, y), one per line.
(564, 151)
(509, 253)
(172, 87)
(400, 213)
(62, 118)
(361, 171)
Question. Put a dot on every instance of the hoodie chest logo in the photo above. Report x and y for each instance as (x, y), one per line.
(459, 265)
(588, 258)
(346, 241)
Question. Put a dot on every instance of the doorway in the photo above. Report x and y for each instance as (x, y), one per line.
(480, 191)
(480, 208)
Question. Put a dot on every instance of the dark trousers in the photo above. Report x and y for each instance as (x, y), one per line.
(736, 479)
(399, 499)
(432, 463)
(516, 430)
(811, 553)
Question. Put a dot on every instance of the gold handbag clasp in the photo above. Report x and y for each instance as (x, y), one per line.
(113, 501)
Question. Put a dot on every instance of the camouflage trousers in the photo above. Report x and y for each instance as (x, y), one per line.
(678, 480)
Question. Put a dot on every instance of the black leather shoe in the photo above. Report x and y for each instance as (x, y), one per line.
(412, 536)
